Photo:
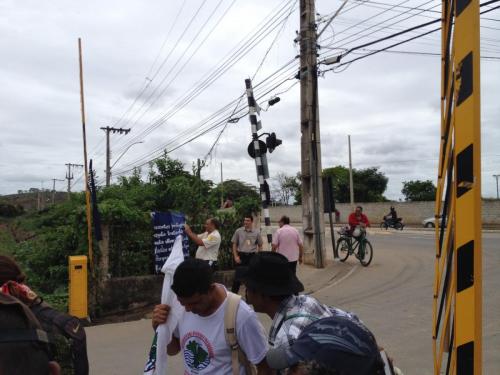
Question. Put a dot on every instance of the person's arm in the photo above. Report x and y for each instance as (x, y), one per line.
(259, 242)
(235, 254)
(174, 346)
(352, 220)
(193, 236)
(367, 222)
(301, 253)
(160, 316)
(275, 243)
(252, 338)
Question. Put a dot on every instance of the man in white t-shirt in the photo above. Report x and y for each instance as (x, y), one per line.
(208, 242)
(200, 331)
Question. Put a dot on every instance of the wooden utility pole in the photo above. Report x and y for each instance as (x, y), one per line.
(108, 130)
(312, 191)
(69, 175)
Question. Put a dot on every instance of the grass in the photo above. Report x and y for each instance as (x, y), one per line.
(7, 241)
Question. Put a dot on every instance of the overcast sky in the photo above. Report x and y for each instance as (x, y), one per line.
(389, 102)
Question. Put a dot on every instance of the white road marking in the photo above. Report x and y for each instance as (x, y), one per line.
(338, 281)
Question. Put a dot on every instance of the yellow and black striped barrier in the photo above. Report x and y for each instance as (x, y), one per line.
(457, 323)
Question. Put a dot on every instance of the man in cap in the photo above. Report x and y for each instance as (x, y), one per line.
(24, 346)
(331, 346)
(272, 288)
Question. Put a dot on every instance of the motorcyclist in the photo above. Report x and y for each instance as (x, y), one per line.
(392, 216)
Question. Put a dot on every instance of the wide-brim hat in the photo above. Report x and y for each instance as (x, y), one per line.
(269, 273)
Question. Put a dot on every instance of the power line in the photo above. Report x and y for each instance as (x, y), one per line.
(426, 53)
(245, 48)
(148, 79)
(161, 150)
(395, 44)
(166, 76)
(253, 78)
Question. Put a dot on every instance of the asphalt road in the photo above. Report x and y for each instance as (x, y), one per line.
(393, 296)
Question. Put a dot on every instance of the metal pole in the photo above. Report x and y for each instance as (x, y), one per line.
(351, 187)
(260, 159)
(221, 187)
(496, 177)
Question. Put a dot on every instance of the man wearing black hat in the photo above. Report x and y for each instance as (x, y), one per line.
(331, 346)
(271, 288)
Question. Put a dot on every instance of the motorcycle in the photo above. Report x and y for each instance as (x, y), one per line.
(390, 223)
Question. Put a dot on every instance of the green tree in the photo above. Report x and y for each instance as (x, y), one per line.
(287, 187)
(417, 190)
(369, 184)
(235, 189)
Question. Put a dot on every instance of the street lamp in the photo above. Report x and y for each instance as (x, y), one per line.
(121, 155)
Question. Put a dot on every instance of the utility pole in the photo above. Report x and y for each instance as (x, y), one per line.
(351, 186)
(496, 177)
(312, 190)
(54, 189)
(108, 130)
(69, 174)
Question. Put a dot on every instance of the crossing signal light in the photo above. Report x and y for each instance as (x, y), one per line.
(272, 142)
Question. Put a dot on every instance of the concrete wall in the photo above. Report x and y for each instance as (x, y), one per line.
(123, 294)
(411, 212)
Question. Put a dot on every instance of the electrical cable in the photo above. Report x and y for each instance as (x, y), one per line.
(183, 101)
(217, 124)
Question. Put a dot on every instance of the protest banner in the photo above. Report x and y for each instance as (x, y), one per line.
(167, 226)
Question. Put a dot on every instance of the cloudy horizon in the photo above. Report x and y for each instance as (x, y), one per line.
(389, 102)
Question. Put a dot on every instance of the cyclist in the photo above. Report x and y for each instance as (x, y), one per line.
(358, 219)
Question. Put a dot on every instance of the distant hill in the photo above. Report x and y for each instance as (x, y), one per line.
(30, 201)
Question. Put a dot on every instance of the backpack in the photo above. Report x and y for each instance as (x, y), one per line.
(237, 355)
(67, 337)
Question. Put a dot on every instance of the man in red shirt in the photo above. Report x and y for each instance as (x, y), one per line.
(358, 218)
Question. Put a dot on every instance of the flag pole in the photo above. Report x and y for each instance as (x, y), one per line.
(87, 193)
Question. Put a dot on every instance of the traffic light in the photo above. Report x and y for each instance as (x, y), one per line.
(272, 142)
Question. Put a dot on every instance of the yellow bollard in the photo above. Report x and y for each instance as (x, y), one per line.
(78, 305)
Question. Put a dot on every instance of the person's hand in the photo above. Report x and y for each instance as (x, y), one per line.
(237, 259)
(160, 315)
(300, 259)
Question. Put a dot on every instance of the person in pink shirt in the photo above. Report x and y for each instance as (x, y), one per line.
(287, 242)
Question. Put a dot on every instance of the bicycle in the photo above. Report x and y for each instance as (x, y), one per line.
(360, 247)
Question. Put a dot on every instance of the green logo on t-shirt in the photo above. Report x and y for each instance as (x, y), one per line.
(198, 351)
(198, 355)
